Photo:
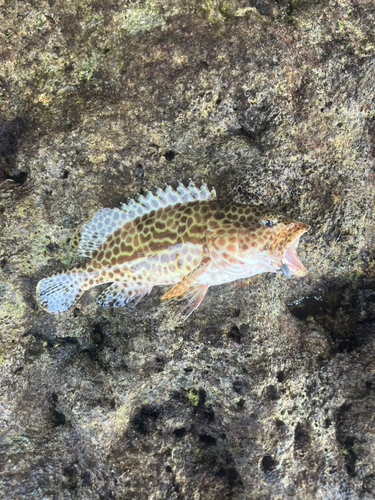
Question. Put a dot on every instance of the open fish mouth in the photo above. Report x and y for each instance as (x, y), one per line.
(292, 260)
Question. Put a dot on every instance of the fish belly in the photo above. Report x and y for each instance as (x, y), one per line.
(215, 276)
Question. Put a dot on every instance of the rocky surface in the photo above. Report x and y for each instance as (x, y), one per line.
(266, 392)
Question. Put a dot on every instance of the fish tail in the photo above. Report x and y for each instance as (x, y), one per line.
(57, 293)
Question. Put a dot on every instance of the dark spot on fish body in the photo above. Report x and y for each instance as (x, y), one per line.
(232, 216)
(166, 235)
(155, 247)
(96, 264)
(197, 240)
(159, 225)
(211, 224)
(100, 255)
(125, 227)
(204, 208)
(169, 210)
(195, 230)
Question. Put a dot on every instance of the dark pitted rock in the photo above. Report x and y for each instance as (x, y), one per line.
(267, 391)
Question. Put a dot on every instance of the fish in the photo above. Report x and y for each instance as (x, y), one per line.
(185, 238)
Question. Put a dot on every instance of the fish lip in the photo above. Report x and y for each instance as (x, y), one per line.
(291, 258)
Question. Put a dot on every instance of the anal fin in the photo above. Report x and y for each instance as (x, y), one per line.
(120, 293)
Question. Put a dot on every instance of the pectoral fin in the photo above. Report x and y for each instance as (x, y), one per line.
(193, 297)
(187, 280)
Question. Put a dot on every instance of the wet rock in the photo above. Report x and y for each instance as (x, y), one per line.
(266, 391)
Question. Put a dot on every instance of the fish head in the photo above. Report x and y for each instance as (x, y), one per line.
(274, 238)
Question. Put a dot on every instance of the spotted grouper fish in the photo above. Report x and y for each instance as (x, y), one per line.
(184, 238)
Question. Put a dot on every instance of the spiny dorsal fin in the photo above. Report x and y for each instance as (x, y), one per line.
(167, 198)
(106, 221)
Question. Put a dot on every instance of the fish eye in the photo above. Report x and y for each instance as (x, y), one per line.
(268, 222)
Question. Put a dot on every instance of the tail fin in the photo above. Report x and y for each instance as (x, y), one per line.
(57, 293)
